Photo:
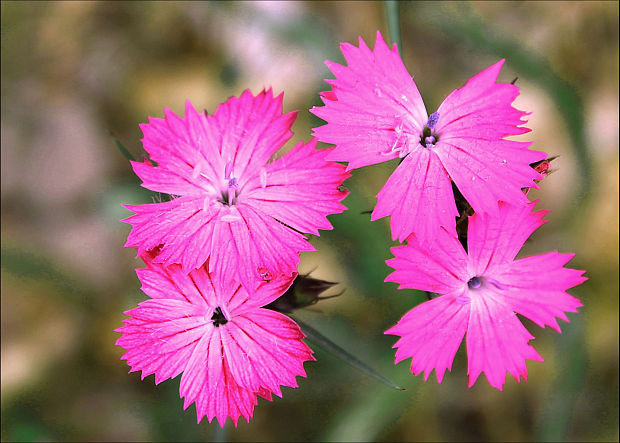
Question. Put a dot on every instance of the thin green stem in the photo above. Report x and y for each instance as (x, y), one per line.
(393, 18)
(320, 340)
(220, 434)
(123, 150)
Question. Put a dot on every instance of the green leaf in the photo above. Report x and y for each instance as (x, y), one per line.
(320, 340)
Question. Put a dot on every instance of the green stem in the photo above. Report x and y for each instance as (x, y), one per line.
(220, 434)
(393, 18)
(123, 150)
(320, 340)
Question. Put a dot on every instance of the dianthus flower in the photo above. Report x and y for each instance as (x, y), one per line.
(232, 206)
(480, 293)
(229, 349)
(375, 113)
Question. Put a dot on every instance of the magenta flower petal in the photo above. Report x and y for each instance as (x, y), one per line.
(278, 359)
(229, 349)
(159, 346)
(483, 176)
(440, 267)
(497, 342)
(167, 181)
(185, 228)
(471, 111)
(232, 207)
(480, 294)
(431, 334)
(251, 130)
(374, 113)
(495, 240)
(418, 196)
(301, 200)
(537, 287)
(208, 383)
(377, 109)
(255, 246)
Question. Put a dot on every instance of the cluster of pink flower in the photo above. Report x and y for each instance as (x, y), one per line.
(228, 241)
(224, 246)
(375, 113)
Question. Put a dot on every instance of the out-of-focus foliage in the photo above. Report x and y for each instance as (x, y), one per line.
(76, 75)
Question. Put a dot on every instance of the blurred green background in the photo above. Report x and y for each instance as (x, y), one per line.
(73, 73)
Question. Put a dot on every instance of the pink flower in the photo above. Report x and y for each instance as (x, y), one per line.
(245, 214)
(481, 291)
(375, 113)
(229, 349)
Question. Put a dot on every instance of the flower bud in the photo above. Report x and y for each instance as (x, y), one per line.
(304, 291)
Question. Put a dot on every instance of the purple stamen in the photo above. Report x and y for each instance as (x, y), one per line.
(432, 120)
(228, 170)
(232, 183)
(497, 284)
(430, 141)
(474, 283)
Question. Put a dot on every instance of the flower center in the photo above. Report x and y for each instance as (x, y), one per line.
(228, 196)
(229, 191)
(428, 138)
(478, 282)
(474, 283)
(218, 317)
